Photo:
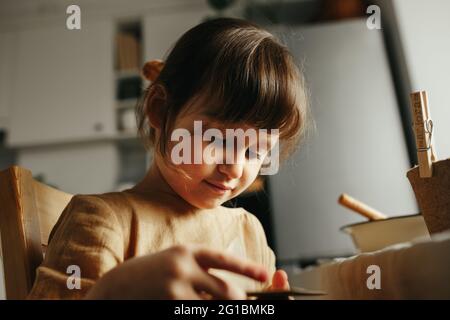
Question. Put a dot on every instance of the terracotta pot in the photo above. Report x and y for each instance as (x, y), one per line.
(433, 195)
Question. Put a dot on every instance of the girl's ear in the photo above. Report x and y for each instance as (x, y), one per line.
(155, 104)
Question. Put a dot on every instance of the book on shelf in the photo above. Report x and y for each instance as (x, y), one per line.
(128, 50)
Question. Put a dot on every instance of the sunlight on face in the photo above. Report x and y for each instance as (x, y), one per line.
(208, 185)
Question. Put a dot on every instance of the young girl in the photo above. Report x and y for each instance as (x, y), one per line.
(169, 237)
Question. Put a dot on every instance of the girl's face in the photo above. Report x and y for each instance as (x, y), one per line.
(208, 185)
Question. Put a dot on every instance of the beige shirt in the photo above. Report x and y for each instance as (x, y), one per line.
(98, 232)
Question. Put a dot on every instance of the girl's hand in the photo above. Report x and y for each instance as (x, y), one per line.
(179, 272)
(279, 281)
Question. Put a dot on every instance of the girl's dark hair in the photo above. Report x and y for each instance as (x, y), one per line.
(244, 74)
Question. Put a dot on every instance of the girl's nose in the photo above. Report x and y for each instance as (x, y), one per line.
(232, 171)
(233, 162)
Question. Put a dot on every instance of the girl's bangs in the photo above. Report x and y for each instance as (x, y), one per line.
(266, 97)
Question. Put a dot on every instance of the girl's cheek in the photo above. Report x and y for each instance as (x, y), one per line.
(248, 176)
(197, 171)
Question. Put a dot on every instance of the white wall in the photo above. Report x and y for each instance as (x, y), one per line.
(82, 168)
(424, 28)
(358, 148)
(7, 42)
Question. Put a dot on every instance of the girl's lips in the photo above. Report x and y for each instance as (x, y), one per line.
(220, 185)
(217, 188)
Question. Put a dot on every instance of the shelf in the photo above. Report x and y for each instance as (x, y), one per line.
(128, 79)
(119, 137)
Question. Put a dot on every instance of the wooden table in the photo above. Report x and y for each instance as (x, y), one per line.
(413, 270)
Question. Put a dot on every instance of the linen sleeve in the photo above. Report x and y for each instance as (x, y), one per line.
(88, 239)
(266, 255)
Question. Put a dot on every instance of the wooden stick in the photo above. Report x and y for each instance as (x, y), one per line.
(360, 208)
(419, 113)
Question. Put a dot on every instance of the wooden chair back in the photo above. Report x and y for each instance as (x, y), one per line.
(28, 211)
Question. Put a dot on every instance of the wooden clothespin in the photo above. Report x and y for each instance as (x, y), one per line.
(429, 125)
(423, 129)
